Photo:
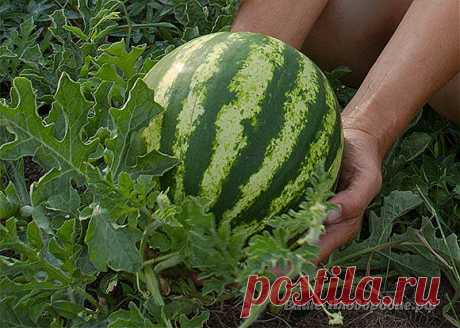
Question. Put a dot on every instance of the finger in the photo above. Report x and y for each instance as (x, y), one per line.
(352, 201)
(337, 235)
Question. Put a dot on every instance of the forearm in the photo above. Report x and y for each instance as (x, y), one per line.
(287, 20)
(422, 56)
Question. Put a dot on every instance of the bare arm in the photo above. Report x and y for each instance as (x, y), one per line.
(422, 56)
(287, 20)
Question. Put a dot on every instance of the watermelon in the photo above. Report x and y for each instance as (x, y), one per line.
(250, 119)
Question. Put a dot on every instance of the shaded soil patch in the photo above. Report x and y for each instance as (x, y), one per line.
(227, 315)
(33, 172)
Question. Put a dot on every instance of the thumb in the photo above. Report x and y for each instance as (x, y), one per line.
(353, 201)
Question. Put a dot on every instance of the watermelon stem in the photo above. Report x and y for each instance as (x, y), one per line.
(153, 285)
(169, 263)
(255, 313)
(160, 258)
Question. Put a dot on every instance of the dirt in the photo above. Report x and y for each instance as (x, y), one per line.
(227, 315)
(33, 172)
(5, 89)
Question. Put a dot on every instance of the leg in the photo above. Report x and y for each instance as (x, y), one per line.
(447, 100)
(354, 32)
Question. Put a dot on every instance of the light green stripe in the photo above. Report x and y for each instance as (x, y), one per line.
(315, 156)
(331, 100)
(279, 150)
(335, 166)
(193, 106)
(152, 133)
(249, 87)
(162, 92)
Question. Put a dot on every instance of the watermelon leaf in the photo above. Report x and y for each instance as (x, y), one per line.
(135, 115)
(131, 318)
(64, 157)
(112, 246)
(368, 253)
(116, 54)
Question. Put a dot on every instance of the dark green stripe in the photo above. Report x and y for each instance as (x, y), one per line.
(294, 163)
(180, 89)
(200, 148)
(269, 123)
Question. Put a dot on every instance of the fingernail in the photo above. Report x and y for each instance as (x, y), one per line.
(334, 215)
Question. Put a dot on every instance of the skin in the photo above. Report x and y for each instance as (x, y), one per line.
(403, 54)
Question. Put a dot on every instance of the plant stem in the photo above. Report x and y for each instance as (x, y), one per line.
(153, 285)
(255, 313)
(373, 249)
(160, 258)
(169, 263)
(147, 25)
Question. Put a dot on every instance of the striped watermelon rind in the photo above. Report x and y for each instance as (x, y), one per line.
(250, 119)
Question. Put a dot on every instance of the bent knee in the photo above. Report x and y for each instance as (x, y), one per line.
(353, 33)
(447, 100)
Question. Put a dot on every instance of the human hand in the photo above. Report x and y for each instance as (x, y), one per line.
(359, 183)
